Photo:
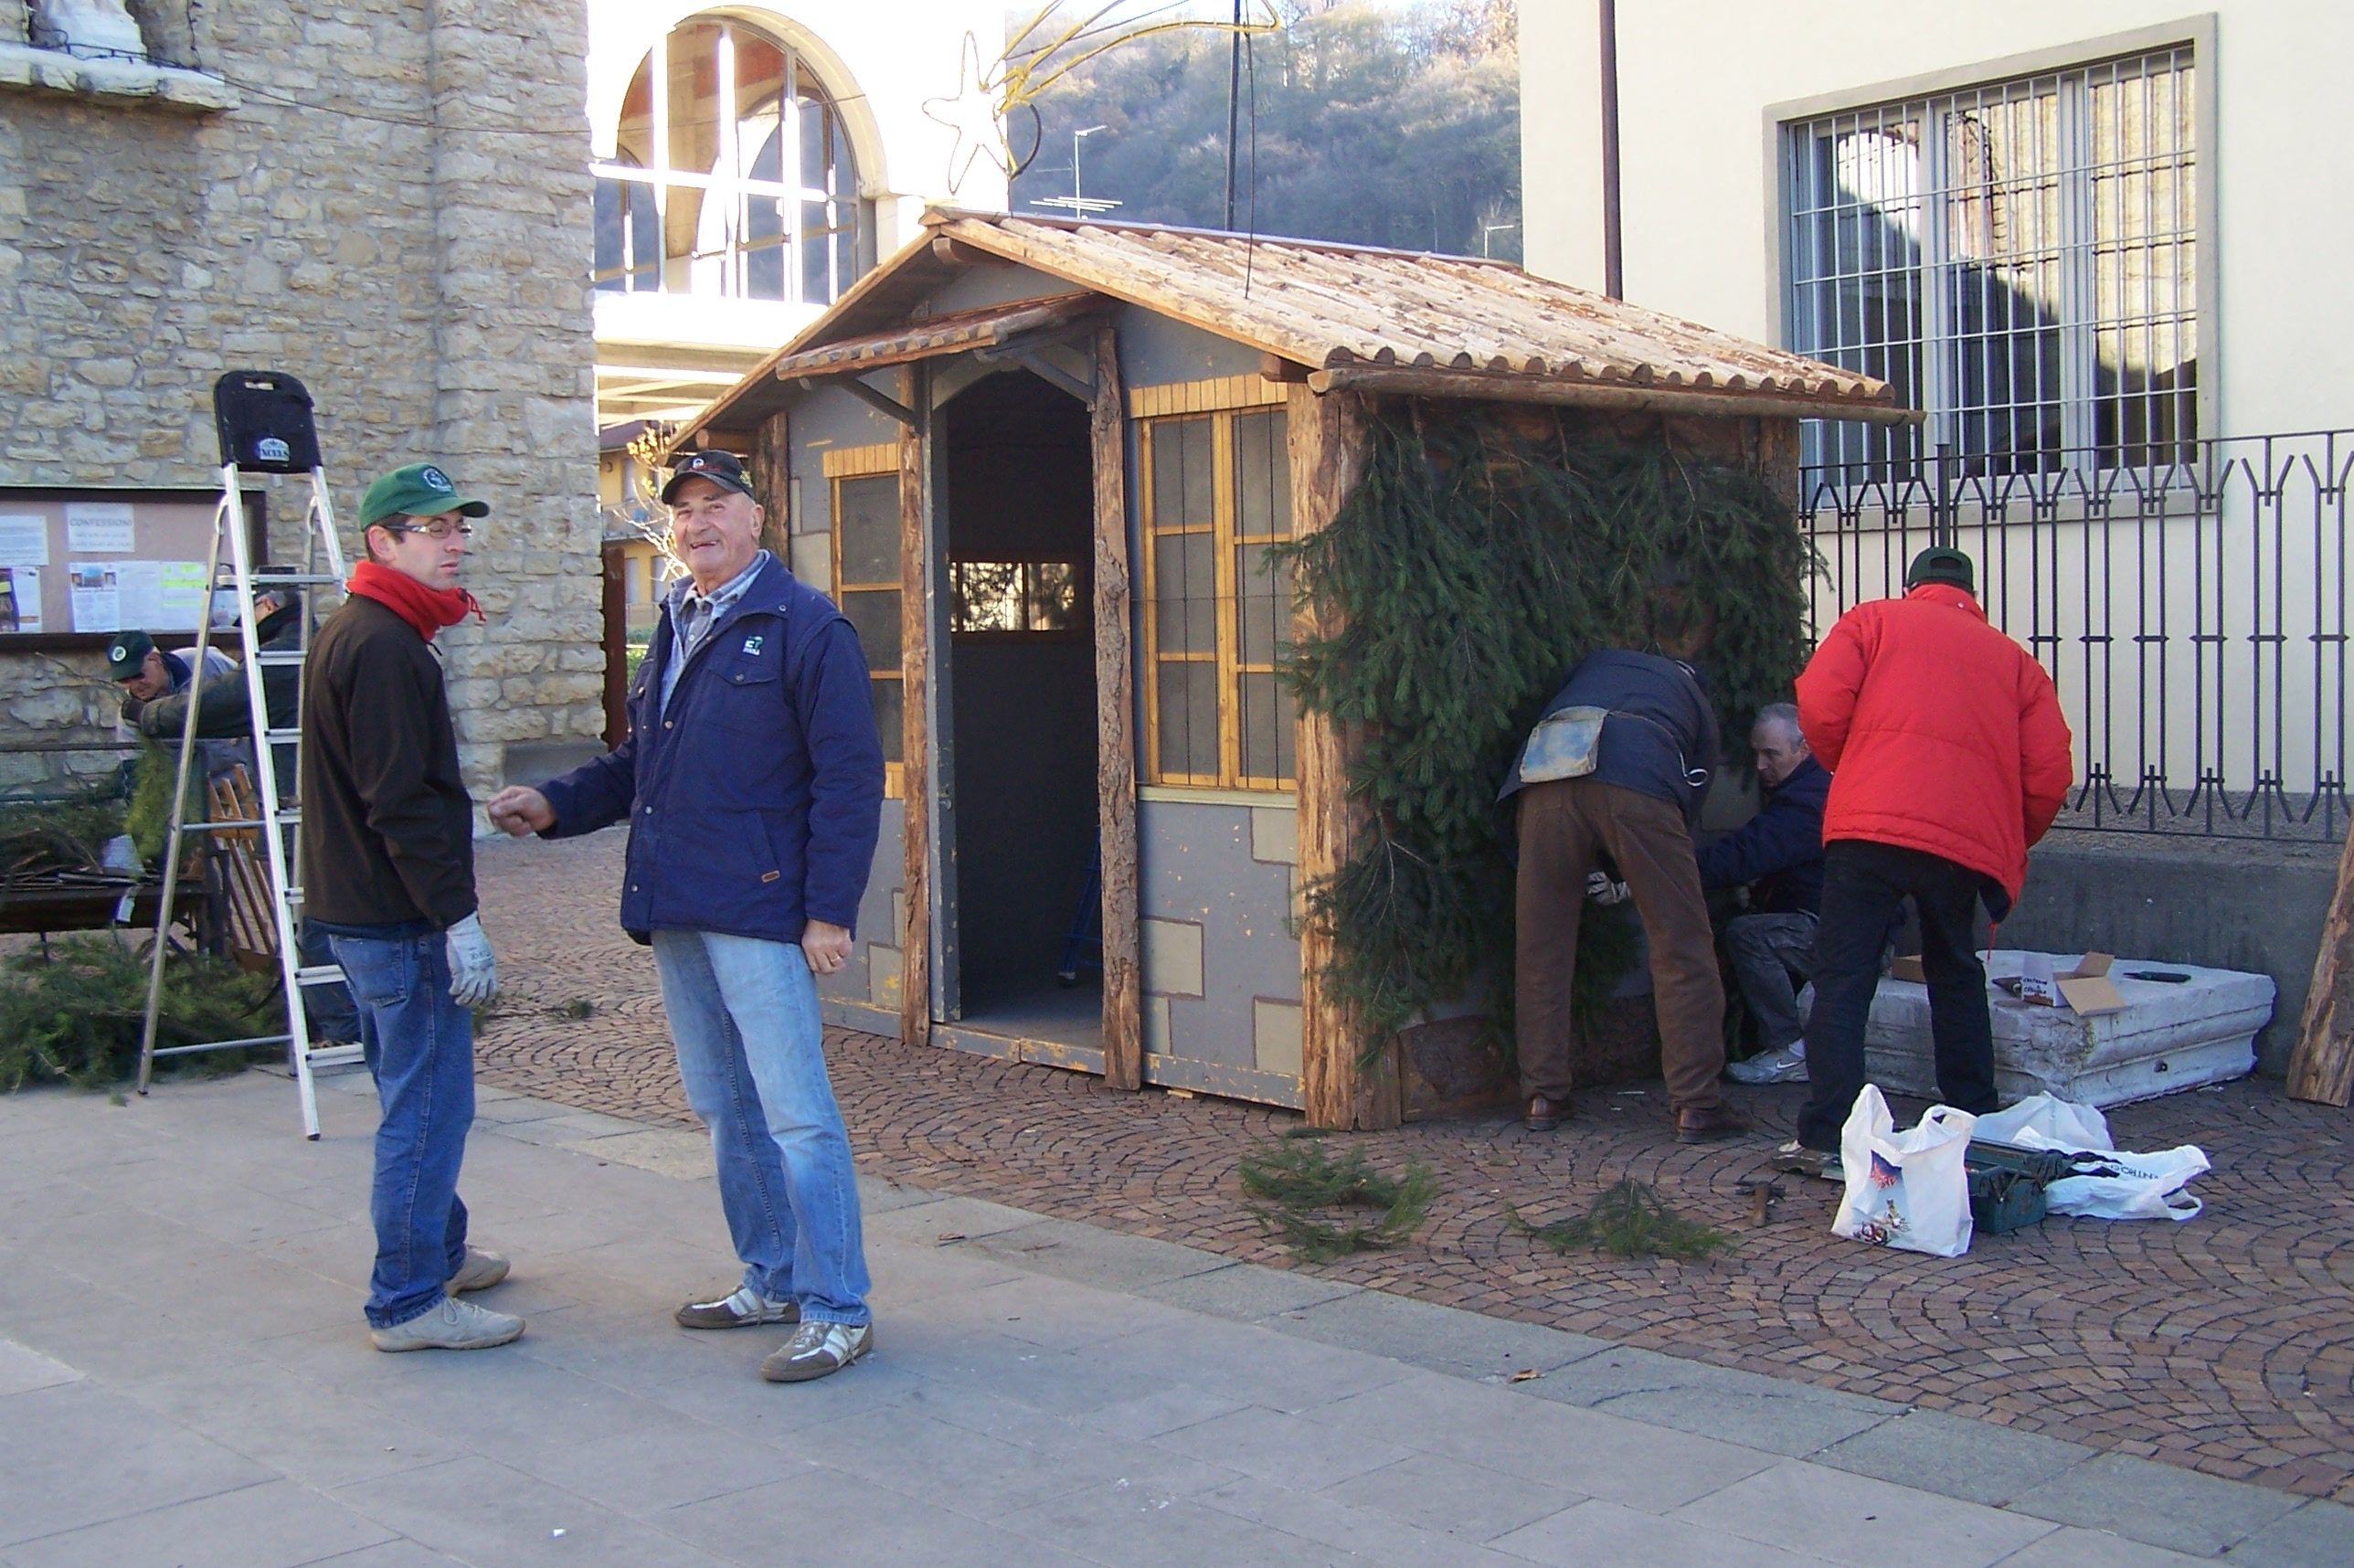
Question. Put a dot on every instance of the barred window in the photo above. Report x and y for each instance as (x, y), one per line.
(729, 172)
(1218, 623)
(2017, 259)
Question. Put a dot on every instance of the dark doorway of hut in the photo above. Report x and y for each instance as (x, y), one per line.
(1020, 764)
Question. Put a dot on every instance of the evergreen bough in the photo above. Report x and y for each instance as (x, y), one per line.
(72, 1015)
(1472, 569)
(1630, 1220)
(1295, 1186)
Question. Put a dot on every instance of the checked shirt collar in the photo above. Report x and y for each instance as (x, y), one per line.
(693, 615)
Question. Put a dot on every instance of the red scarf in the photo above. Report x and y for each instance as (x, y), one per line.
(429, 609)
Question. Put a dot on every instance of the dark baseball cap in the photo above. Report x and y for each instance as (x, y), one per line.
(1941, 565)
(127, 654)
(416, 490)
(725, 470)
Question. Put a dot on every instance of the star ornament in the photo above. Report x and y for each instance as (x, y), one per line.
(973, 115)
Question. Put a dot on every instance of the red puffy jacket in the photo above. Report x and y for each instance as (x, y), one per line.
(1941, 734)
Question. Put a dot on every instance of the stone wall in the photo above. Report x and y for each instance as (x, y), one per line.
(396, 209)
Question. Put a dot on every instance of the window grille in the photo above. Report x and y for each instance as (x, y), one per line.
(729, 173)
(2017, 259)
(867, 582)
(1218, 628)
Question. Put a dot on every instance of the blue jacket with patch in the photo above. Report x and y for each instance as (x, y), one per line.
(755, 800)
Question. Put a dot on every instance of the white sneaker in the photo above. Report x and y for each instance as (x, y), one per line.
(481, 1270)
(1782, 1066)
(818, 1350)
(744, 1307)
(454, 1325)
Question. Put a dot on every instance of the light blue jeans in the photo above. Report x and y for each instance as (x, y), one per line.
(744, 1015)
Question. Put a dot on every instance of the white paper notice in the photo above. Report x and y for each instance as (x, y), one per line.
(98, 527)
(161, 596)
(24, 540)
(96, 597)
(20, 599)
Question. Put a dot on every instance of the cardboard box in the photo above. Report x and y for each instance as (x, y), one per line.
(2086, 989)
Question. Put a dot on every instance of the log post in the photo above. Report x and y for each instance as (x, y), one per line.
(1328, 444)
(915, 742)
(772, 482)
(2322, 1068)
(1123, 1000)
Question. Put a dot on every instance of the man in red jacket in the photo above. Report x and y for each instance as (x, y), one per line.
(1949, 758)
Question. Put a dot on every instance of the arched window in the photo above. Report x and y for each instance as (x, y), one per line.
(730, 172)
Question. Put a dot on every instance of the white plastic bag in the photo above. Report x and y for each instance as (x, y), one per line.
(1906, 1189)
(2046, 1121)
(2120, 1186)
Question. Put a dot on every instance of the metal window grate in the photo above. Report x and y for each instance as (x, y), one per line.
(2017, 258)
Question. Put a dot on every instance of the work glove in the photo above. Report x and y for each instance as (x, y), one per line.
(473, 969)
(1602, 890)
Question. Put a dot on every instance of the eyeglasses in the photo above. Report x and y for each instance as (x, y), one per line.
(436, 530)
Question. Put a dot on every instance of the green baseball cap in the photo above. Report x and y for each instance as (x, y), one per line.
(1939, 564)
(417, 490)
(127, 654)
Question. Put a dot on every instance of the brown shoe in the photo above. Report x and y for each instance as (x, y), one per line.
(1545, 1115)
(1706, 1124)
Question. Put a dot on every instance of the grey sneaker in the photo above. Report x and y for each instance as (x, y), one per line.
(1798, 1160)
(479, 1272)
(744, 1307)
(1782, 1066)
(454, 1325)
(818, 1350)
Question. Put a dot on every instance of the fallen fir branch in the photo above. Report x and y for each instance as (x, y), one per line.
(1630, 1220)
(1296, 1185)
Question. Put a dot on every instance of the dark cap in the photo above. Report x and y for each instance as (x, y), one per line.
(127, 654)
(1940, 564)
(417, 490)
(725, 470)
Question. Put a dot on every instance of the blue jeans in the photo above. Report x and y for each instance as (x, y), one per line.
(327, 1007)
(420, 1046)
(751, 1054)
(1768, 951)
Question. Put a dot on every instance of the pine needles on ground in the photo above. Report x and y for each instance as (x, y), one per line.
(1296, 1186)
(74, 1015)
(1631, 1221)
(1472, 569)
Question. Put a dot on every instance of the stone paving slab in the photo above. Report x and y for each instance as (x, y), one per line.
(2224, 1346)
(1098, 1400)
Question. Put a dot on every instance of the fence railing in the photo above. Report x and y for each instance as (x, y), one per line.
(2192, 612)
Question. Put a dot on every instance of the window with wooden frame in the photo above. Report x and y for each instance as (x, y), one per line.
(1218, 494)
(865, 481)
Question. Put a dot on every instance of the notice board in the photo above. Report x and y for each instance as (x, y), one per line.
(78, 565)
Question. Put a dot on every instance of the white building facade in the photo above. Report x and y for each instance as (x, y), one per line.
(2097, 244)
(752, 162)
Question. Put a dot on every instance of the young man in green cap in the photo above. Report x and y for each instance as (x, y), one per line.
(388, 859)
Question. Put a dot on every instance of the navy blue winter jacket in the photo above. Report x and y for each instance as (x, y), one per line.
(753, 801)
(1661, 737)
(1779, 850)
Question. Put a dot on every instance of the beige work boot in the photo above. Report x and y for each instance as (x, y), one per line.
(452, 1325)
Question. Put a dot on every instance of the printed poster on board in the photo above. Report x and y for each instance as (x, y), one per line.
(20, 600)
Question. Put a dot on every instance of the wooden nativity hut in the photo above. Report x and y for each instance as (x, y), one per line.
(1041, 464)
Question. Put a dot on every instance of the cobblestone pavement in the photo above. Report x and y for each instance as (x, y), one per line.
(2225, 1344)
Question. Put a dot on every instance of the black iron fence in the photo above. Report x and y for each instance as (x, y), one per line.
(2192, 612)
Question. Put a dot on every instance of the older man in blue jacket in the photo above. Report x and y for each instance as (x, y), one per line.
(752, 781)
(1779, 856)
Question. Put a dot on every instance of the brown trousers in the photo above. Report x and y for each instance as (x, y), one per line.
(1565, 827)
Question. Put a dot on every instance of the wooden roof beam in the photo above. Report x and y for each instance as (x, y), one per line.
(880, 401)
(1477, 387)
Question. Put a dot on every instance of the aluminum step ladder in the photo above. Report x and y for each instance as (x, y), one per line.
(264, 421)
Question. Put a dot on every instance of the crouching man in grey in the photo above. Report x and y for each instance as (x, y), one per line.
(752, 778)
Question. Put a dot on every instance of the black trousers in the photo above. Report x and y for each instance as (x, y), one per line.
(1864, 887)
